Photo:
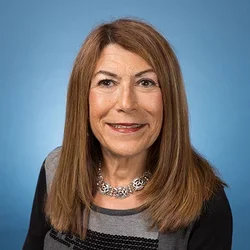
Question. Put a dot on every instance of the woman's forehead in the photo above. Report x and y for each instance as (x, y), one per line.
(116, 59)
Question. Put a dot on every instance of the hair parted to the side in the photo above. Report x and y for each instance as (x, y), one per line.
(182, 179)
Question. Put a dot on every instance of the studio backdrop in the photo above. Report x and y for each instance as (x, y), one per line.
(39, 42)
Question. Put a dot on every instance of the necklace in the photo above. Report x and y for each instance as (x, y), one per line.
(121, 192)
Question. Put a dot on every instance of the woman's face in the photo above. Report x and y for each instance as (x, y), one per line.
(125, 103)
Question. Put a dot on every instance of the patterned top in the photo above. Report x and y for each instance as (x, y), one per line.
(127, 229)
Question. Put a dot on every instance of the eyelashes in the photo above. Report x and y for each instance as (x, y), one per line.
(106, 83)
(146, 83)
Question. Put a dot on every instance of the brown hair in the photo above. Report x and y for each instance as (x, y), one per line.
(182, 179)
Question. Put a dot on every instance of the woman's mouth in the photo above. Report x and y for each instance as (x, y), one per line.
(126, 127)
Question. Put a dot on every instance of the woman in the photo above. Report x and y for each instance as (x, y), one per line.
(126, 176)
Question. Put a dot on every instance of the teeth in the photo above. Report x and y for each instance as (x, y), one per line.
(122, 126)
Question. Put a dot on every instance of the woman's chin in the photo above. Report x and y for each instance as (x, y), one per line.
(124, 152)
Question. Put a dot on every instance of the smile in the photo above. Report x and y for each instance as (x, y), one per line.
(126, 127)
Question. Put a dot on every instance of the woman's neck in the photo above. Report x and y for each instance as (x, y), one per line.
(120, 171)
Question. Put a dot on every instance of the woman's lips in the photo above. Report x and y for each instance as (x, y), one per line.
(126, 127)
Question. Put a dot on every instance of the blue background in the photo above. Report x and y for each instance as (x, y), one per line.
(39, 41)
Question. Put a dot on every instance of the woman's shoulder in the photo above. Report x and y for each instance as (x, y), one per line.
(53, 156)
(217, 203)
(214, 227)
(50, 165)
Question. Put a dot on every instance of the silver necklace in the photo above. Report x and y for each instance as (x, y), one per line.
(121, 192)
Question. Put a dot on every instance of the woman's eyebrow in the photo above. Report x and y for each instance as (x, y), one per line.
(144, 72)
(104, 72)
(108, 73)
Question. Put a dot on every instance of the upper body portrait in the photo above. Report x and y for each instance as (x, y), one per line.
(126, 175)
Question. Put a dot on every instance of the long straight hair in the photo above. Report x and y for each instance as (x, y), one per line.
(182, 180)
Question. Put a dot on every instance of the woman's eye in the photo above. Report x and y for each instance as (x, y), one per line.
(147, 83)
(106, 83)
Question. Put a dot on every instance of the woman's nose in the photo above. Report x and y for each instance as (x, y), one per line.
(127, 100)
